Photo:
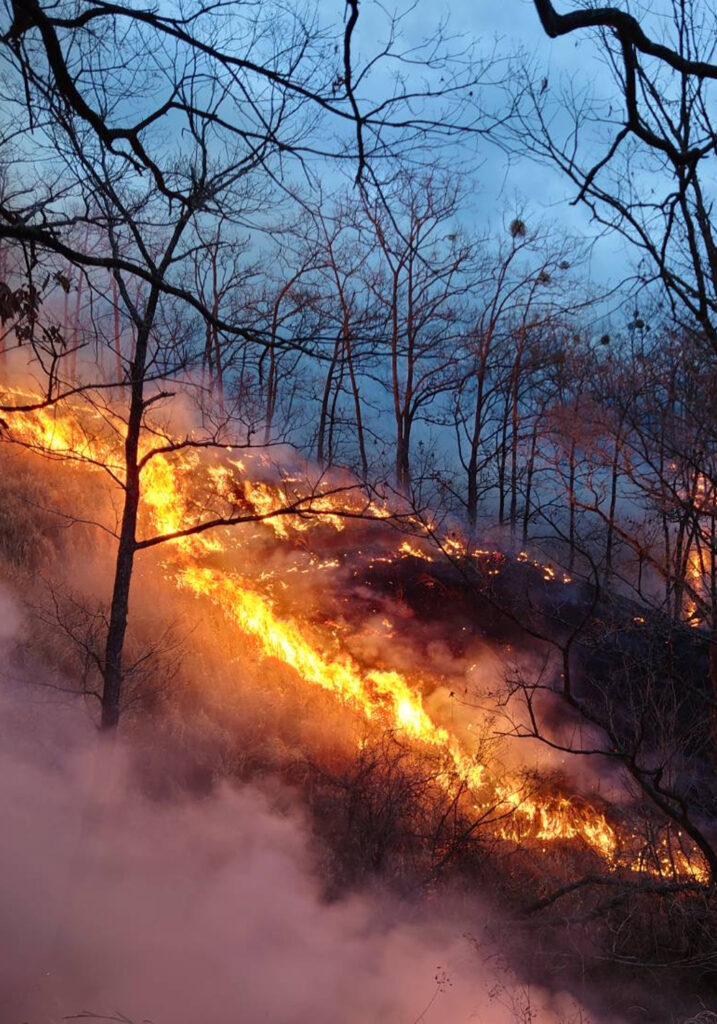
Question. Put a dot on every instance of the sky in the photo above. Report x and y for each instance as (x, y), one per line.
(512, 26)
(516, 24)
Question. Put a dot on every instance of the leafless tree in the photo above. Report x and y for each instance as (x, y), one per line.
(347, 309)
(419, 281)
(649, 180)
(146, 209)
(522, 304)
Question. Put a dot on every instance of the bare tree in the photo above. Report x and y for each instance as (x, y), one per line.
(419, 282)
(524, 295)
(265, 91)
(649, 180)
(346, 301)
(147, 224)
(136, 139)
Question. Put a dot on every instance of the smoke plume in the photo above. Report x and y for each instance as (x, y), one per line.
(206, 910)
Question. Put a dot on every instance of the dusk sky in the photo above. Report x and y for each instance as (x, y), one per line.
(513, 28)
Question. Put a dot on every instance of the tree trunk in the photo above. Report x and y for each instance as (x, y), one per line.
(530, 470)
(472, 471)
(713, 635)
(514, 443)
(614, 477)
(127, 548)
(324, 414)
(403, 458)
(112, 689)
(118, 332)
(332, 414)
(357, 400)
(270, 394)
(76, 329)
(502, 462)
(572, 511)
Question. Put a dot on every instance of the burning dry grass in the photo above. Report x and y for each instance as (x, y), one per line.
(292, 620)
(265, 650)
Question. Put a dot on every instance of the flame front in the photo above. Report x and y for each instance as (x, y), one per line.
(177, 489)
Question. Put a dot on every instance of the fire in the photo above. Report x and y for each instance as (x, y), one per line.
(695, 575)
(265, 498)
(698, 568)
(178, 490)
(560, 818)
(407, 548)
(388, 697)
(385, 696)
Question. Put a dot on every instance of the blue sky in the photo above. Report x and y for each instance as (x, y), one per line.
(509, 26)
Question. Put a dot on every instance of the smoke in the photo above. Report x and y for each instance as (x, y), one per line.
(11, 620)
(203, 910)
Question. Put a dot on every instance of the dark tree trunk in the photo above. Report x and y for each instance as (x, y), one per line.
(403, 458)
(357, 400)
(472, 471)
(112, 688)
(530, 471)
(332, 414)
(127, 548)
(614, 477)
(324, 415)
(572, 511)
(502, 462)
(514, 443)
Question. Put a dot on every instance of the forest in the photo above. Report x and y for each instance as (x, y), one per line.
(358, 513)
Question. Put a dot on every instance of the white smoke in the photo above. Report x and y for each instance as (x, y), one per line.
(199, 911)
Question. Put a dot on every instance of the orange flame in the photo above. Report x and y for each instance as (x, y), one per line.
(175, 490)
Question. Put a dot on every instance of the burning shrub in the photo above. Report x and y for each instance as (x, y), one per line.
(386, 816)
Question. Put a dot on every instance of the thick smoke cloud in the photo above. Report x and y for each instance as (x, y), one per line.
(200, 911)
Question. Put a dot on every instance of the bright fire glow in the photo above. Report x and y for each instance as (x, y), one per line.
(184, 488)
